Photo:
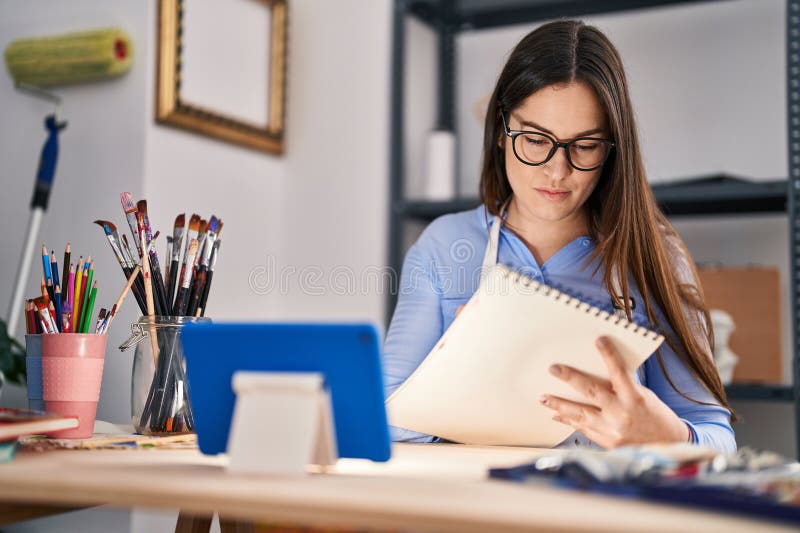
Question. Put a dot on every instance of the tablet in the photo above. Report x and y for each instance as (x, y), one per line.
(348, 355)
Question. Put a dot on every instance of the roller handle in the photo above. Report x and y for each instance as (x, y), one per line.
(47, 163)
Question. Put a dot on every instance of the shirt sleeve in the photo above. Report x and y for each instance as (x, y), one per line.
(710, 424)
(415, 328)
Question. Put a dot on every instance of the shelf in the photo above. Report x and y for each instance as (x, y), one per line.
(481, 14)
(760, 392)
(712, 195)
(716, 195)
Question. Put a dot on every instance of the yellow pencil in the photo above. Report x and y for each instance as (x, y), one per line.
(76, 310)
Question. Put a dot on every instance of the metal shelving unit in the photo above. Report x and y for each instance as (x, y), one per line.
(709, 196)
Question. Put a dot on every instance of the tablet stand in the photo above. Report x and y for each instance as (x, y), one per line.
(281, 422)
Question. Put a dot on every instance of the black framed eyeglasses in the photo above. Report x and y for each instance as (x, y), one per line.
(535, 148)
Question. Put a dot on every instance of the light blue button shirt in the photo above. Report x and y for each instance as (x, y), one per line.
(442, 270)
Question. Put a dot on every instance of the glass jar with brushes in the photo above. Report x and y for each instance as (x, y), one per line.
(159, 391)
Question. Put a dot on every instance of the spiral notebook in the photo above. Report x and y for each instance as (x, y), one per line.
(481, 382)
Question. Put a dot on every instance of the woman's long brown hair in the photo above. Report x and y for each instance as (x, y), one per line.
(631, 233)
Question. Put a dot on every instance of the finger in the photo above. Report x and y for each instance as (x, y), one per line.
(572, 413)
(621, 381)
(596, 390)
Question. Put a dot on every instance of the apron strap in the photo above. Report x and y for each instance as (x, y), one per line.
(490, 255)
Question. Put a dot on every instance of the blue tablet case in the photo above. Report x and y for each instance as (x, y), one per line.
(348, 355)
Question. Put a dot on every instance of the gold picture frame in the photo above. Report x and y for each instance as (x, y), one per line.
(174, 111)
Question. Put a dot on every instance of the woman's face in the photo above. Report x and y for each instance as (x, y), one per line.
(555, 191)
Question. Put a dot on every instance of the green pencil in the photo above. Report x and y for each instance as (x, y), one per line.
(87, 319)
(87, 282)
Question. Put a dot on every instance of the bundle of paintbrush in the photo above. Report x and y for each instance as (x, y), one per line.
(180, 290)
(189, 267)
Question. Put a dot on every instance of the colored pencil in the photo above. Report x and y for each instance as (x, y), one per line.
(48, 275)
(67, 254)
(32, 317)
(87, 284)
(57, 306)
(71, 288)
(87, 317)
(54, 269)
(76, 302)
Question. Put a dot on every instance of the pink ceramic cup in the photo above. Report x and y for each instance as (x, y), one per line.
(72, 370)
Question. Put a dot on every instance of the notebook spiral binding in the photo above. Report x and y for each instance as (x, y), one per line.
(547, 291)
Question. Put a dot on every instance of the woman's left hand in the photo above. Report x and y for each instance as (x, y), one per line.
(618, 411)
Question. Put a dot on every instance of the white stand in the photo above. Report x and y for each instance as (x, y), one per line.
(281, 422)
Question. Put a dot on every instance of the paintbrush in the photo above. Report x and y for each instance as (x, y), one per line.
(182, 298)
(201, 239)
(101, 318)
(177, 241)
(155, 267)
(45, 318)
(124, 260)
(198, 284)
(201, 308)
(186, 269)
(126, 199)
(168, 263)
(191, 233)
(148, 287)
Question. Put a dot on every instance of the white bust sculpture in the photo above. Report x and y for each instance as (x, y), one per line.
(725, 359)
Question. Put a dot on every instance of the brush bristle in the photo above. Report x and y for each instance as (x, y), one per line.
(126, 199)
(203, 227)
(141, 206)
(107, 226)
(213, 224)
(194, 223)
(180, 220)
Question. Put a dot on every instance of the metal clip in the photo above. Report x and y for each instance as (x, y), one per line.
(138, 334)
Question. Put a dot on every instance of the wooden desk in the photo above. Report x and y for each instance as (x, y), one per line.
(424, 488)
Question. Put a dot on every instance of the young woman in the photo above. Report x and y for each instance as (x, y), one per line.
(566, 200)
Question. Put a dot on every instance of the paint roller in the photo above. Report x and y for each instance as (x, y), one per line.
(67, 59)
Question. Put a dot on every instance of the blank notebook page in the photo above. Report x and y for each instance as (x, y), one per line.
(482, 381)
